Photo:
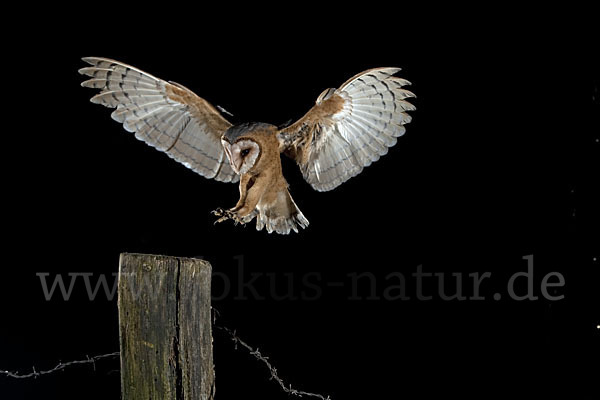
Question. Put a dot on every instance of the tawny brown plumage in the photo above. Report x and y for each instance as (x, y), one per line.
(348, 129)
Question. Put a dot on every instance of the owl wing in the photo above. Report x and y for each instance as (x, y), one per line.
(163, 114)
(348, 128)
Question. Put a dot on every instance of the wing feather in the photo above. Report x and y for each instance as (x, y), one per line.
(163, 114)
(349, 128)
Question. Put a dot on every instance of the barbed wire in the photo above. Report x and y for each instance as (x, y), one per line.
(60, 366)
(233, 336)
(274, 376)
(256, 353)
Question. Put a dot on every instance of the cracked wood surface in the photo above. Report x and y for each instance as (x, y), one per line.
(165, 328)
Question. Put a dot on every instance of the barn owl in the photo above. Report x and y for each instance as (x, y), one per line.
(346, 130)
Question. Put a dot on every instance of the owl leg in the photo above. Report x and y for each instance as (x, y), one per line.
(245, 209)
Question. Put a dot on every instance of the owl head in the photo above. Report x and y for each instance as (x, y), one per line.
(242, 144)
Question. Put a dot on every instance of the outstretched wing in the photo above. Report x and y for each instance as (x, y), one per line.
(349, 128)
(163, 114)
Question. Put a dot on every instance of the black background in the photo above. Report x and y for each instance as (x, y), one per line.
(500, 162)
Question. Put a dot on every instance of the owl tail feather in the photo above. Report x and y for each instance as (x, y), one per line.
(281, 216)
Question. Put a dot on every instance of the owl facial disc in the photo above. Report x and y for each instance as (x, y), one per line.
(242, 154)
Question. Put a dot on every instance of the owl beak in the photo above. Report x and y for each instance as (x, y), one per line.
(232, 161)
(236, 165)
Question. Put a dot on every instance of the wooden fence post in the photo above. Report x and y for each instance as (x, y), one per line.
(165, 328)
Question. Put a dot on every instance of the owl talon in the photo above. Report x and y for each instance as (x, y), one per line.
(219, 212)
(227, 214)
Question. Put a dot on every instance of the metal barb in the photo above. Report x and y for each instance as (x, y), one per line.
(274, 376)
(59, 367)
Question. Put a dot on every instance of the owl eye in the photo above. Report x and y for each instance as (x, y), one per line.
(245, 152)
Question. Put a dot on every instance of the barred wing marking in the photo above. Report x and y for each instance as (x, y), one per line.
(165, 115)
(348, 128)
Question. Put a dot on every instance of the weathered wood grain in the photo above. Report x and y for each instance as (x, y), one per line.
(165, 328)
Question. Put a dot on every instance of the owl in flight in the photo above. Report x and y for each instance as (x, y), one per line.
(348, 129)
